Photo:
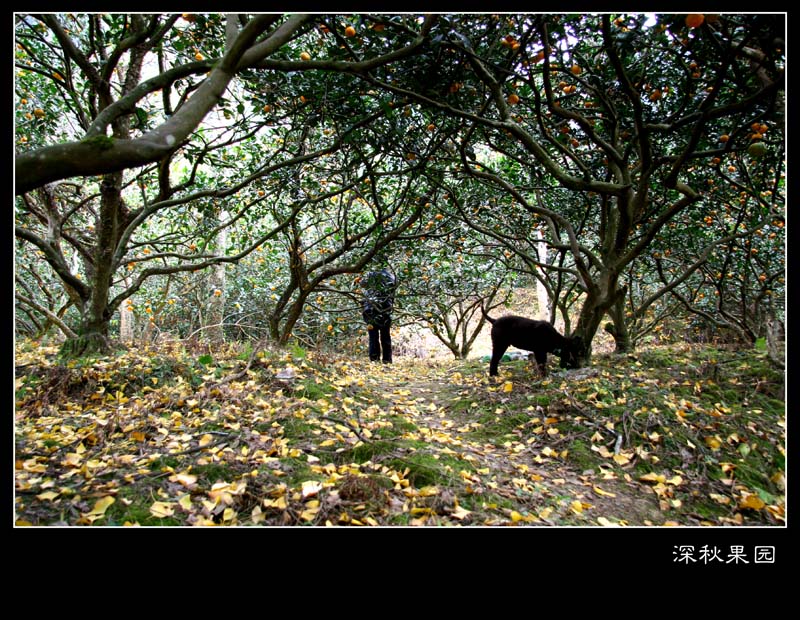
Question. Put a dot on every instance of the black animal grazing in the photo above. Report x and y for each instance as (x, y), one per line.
(537, 336)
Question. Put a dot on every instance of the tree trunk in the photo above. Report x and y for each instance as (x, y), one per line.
(126, 324)
(543, 310)
(216, 306)
(295, 311)
(598, 302)
(619, 328)
(93, 334)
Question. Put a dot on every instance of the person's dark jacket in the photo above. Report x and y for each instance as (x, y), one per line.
(378, 301)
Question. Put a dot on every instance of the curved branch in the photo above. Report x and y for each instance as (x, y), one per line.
(50, 316)
(99, 154)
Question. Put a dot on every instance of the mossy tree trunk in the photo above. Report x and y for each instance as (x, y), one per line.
(618, 328)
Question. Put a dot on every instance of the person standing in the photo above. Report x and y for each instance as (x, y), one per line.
(379, 289)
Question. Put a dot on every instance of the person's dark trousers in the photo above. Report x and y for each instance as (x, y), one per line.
(380, 342)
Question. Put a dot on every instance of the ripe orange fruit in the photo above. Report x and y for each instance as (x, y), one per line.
(731, 168)
(198, 56)
(513, 98)
(576, 70)
(655, 95)
(267, 108)
(349, 31)
(431, 127)
(693, 20)
(38, 113)
(305, 56)
(724, 137)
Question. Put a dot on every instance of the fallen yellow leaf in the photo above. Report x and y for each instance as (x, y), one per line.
(601, 492)
(311, 488)
(621, 459)
(101, 505)
(752, 501)
(308, 515)
(460, 512)
(205, 440)
(161, 510)
(279, 503)
(186, 480)
(508, 386)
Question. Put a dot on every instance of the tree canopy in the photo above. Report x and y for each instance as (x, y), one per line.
(630, 164)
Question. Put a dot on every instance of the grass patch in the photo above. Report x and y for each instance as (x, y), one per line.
(363, 452)
(710, 421)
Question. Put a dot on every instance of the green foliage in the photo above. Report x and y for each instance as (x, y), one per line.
(303, 175)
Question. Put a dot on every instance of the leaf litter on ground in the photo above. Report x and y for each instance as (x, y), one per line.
(669, 436)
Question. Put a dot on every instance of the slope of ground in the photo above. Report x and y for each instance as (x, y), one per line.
(668, 437)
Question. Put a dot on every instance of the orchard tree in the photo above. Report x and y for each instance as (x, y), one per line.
(615, 109)
(140, 100)
(447, 274)
(598, 126)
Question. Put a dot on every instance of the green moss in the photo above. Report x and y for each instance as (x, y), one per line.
(580, 454)
(366, 452)
(101, 142)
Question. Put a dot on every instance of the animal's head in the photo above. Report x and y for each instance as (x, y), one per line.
(569, 353)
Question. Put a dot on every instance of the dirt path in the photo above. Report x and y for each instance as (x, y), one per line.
(529, 468)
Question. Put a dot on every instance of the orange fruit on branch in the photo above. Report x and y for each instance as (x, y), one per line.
(694, 20)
